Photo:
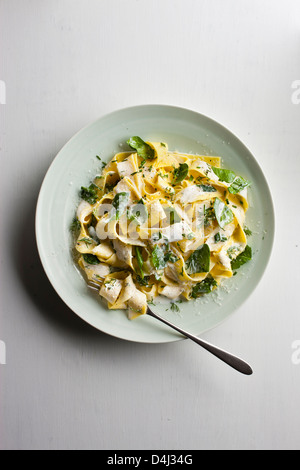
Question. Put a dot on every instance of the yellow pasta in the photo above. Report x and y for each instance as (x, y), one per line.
(158, 222)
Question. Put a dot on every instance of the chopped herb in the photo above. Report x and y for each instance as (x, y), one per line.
(174, 307)
(143, 150)
(247, 231)
(209, 215)
(204, 287)
(199, 261)
(170, 257)
(242, 258)
(90, 259)
(180, 173)
(87, 241)
(162, 144)
(220, 238)
(223, 214)
(75, 225)
(143, 281)
(99, 158)
(89, 194)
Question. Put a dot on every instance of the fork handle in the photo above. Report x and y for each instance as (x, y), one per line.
(233, 361)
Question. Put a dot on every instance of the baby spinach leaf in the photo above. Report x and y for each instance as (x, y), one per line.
(220, 238)
(90, 259)
(224, 175)
(143, 150)
(158, 257)
(120, 203)
(199, 261)
(180, 173)
(223, 214)
(242, 258)
(203, 287)
(207, 188)
(238, 185)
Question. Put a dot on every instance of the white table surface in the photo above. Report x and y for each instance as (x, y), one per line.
(65, 63)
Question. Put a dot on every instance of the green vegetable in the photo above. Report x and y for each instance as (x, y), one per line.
(158, 257)
(75, 225)
(140, 261)
(203, 287)
(247, 231)
(223, 214)
(199, 261)
(89, 194)
(224, 175)
(209, 215)
(87, 241)
(143, 281)
(143, 150)
(172, 215)
(220, 238)
(238, 185)
(138, 213)
(242, 258)
(120, 203)
(207, 188)
(180, 173)
(174, 307)
(90, 259)
(170, 257)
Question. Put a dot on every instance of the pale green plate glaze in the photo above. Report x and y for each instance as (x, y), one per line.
(76, 165)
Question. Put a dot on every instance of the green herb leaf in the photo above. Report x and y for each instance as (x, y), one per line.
(158, 257)
(224, 175)
(75, 225)
(143, 281)
(180, 173)
(170, 257)
(174, 307)
(172, 215)
(220, 238)
(143, 150)
(199, 261)
(207, 188)
(247, 231)
(223, 214)
(242, 258)
(138, 213)
(89, 194)
(140, 261)
(120, 203)
(90, 259)
(204, 287)
(238, 185)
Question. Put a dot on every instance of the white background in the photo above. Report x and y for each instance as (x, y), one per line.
(66, 63)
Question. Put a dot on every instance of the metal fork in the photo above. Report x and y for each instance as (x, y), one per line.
(233, 361)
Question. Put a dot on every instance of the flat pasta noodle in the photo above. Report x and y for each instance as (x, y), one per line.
(160, 223)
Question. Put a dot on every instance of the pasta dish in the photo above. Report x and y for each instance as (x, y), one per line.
(160, 223)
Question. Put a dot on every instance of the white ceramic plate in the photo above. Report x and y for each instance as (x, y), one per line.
(76, 165)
